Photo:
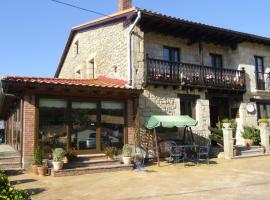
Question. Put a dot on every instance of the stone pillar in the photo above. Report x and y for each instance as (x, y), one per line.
(264, 132)
(228, 143)
(130, 122)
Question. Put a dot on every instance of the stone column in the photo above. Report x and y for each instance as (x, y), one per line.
(264, 132)
(228, 143)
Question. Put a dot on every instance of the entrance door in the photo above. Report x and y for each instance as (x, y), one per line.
(84, 136)
(219, 109)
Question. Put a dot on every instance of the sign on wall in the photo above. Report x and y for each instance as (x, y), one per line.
(2, 124)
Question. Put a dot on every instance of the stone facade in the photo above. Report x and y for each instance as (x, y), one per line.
(104, 47)
(107, 46)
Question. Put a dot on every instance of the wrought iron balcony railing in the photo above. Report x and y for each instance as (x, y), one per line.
(163, 72)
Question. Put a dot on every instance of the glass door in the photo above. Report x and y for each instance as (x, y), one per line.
(84, 137)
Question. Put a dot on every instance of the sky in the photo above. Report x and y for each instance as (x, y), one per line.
(33, 33)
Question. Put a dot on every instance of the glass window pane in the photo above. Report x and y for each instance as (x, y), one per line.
(84, 117)
(112, 127)
(52, 103)
(166, 54)
(52, 125)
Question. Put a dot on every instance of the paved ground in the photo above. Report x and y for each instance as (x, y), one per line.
(237, 179)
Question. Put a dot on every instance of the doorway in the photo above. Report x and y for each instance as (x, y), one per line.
(219, 109)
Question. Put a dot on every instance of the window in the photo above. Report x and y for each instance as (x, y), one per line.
(263, 110)
(188, 105)
(259, 72)
(52, 124)
(84, 118)
(112, 124)
(171, 54)
(76, 48)
(216, 60)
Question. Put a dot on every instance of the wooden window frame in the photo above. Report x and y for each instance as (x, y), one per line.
(215, 56)
(258, 86)
(189, 98)
(178, 50)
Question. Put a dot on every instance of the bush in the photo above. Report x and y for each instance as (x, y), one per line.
(38, 156)
(263, 120)
(126, 151)
(58, 154)
(252, 133)
(110, 151)
(8, 192)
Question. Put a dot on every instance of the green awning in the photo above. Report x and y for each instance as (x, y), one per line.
(170, 121)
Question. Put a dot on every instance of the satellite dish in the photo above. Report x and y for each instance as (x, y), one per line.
(250, 107)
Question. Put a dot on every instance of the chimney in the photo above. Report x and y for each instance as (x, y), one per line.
(124, 5)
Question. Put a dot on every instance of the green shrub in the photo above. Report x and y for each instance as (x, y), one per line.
(251, 133)
(126, 151)
(10, 193)
(263, 120)
(37, 156)
(58, 154)
(110, 151)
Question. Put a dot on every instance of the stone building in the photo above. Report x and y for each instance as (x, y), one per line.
(138, 61)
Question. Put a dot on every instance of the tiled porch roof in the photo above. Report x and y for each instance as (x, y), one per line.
(100, 82)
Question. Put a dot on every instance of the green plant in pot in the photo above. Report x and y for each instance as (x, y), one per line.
(226, 123)
(58, 155)
(37, 160)
(251, 136)
(110, 152)
(263, 122)
(41, 169)
(126, 153)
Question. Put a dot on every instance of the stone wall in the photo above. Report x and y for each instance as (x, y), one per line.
(161, 101)
(106, 46)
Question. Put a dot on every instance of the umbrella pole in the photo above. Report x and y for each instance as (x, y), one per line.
(157, 150)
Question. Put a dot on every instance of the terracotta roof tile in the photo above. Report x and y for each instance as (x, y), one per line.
(100, 82)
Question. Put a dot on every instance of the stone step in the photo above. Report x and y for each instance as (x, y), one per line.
(9, 165)
(251, 152)
(7, 159)
(89, 163)
(90, 170)
(250, 156)
(13, 171)
(85, 157)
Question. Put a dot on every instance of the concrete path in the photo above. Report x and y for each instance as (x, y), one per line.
(222, 180)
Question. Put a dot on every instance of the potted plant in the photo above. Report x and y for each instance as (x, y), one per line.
(37, 160)
(226, 123)
(58, 155)
(43, 170)
(126, 151)
(263, 122)
(110, 152)
(69, 156)
(251, 136)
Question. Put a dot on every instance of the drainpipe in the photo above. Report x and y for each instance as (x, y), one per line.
(130, 63)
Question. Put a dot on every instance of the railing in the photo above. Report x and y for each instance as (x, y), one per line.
(192, 75)
(262, 81)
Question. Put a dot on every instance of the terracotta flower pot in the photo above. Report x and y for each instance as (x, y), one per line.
(42, 170)
(249, 142)
(110, 157)
(58, 165)
(35, 169)
(65, 160)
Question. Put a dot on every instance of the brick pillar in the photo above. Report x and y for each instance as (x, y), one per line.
(228, 143)
(264, 132)
(130, 122)
(29, 131)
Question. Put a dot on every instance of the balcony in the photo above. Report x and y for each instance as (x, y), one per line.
(161, 72)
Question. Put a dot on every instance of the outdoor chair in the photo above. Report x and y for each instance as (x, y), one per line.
(204, 151)
(177, 153)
